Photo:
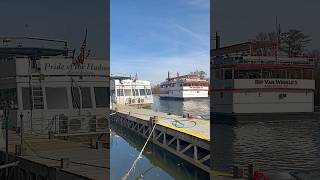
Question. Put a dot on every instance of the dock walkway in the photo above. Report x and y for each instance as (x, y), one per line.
(56, 159)
(195, 127)
(187, 138)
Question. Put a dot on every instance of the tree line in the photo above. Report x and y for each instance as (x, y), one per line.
(292, 42)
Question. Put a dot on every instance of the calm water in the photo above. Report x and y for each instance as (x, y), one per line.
(281, 146)
(156, 164)
(270, 146)
(199, 106)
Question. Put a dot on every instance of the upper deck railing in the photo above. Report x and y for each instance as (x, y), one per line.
(264, 60)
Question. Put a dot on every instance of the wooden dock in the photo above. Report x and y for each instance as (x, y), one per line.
(187, 138)
(45, 158)
(194, 127)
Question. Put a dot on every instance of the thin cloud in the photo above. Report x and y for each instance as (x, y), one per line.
(199, 3)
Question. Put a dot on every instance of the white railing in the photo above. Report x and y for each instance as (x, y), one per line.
(267, 60)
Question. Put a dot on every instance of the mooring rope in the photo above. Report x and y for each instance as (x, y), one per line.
(139, 156)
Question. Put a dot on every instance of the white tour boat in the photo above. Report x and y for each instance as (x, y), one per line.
(128, 91)
(46, 88)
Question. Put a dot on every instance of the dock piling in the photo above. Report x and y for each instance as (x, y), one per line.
(64, 163)
(237, 172)
(250, 172)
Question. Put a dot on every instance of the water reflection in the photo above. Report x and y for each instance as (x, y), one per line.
(270, 146)
(155, 164)
(199, 106)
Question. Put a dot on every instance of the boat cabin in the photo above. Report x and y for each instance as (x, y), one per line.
(128, 91)
(46, 89)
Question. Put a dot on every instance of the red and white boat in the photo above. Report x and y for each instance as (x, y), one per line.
(253, 79)
(193, 85)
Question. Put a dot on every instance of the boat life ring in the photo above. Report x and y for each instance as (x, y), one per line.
(133, 101)
(193, 116)
(259, 176)
(142, 100)
(139, 100)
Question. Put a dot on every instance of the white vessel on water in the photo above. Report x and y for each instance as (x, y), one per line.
(252, 80)
(128, 91)
(193, 85)
(44, 86)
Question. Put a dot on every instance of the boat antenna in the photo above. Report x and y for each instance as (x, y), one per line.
(136, 77)
(278, 34)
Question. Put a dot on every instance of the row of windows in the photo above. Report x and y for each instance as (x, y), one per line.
(133, 92)
(185, 84)
(263, 73)
(57, 97)
(280, 96)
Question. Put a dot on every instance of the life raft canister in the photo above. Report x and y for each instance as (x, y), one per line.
(259, 176)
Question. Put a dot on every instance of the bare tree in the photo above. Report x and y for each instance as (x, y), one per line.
(294, 42)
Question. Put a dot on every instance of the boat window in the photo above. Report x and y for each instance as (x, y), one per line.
(307, 74)
(142, 92)
(127, 92)
(217, 74)
(228, 74)
(75, 97)
(9, 95)
(294, 73)
(148, 91)
(135, 92)
(102, 96)
(247, 74)
(56, 98)
(26, 98)
(86, 97)
(120, 92)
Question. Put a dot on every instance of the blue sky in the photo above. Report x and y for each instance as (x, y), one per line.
(152, 37)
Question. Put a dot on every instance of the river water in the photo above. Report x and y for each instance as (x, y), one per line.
(283, 146)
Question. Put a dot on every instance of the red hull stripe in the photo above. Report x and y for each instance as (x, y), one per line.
(286, 66)
(190, 90)
(264, 90)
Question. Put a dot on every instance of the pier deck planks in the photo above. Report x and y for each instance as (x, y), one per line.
(40, 145)
(200, 130)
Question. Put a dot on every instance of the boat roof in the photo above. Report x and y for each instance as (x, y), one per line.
(31, 51)
(32, 46)
(243, 47)
(120, 77)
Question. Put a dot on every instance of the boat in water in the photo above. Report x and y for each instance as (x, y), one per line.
(255, 81)
(128, 91)
(192, 85)
(48, 88)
